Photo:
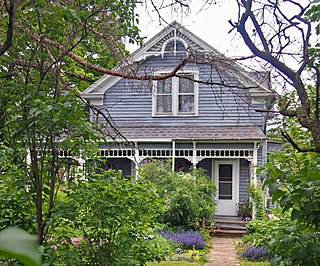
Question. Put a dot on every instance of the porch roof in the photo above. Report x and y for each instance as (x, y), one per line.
(205, 133)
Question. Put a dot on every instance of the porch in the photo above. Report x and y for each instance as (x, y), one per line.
(231, 166)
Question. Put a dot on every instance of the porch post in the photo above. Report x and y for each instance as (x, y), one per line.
(136, 159)
(255, 163)
(173, 153)
(194, 155)
(254, 179)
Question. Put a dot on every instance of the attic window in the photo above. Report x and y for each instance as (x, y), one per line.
(174, 45)
(176, 96)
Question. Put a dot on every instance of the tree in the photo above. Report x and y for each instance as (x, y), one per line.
(280, 34)
(47, 54)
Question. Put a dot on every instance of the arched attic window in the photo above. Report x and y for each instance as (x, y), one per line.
(174, 45)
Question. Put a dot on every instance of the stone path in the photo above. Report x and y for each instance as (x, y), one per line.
(223, 252)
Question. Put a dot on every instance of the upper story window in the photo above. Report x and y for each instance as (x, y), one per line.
(176, 96)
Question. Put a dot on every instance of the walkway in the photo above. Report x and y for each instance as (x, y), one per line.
(223, 252)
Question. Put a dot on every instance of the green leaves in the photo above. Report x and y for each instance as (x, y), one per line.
(121, 212)
(295, 186)
(16, 243)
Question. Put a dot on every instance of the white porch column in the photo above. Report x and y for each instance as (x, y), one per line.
(136, 160)
(255, 163)
(173, 153)
(194, 155)
(253, 170)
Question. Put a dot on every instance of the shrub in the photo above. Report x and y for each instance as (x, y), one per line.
(188, 197)
(290, 242)
(186, 239)
(114, 217)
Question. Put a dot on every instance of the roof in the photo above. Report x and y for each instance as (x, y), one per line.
(96, 90)
(208, 133)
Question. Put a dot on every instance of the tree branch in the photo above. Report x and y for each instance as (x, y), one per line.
(295, 145)
(11, 9)
(116, 73)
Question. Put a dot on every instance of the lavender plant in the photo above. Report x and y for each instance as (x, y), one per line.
(186, 239)
(257, 253)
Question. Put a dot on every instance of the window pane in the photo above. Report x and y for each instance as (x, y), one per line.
(225, 191)
(186, 85)
(164, 104)
(225, 170)
(186, 104)
(225, 181)
(164, 86)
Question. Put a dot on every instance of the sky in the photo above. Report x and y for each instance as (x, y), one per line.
(209, 22)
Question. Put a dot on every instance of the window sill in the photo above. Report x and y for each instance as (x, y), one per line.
(172, 115)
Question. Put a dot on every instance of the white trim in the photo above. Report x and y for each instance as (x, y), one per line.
(175, 39)
(175, 94)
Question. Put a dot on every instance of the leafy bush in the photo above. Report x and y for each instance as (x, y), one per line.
(294, 182)
(256, 253)
(188, 197)
(290, 243)
(186, 239)
(114, 217)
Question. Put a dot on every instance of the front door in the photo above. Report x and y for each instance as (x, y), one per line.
(226, 174)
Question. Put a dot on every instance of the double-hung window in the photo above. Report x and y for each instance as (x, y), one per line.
(176, 95)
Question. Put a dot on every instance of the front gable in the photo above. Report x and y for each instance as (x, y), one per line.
(177, 102)
(176, 41)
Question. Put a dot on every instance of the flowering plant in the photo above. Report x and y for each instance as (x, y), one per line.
(187, 239)
(256, 253)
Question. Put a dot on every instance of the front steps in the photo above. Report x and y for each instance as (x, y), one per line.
(230, 226)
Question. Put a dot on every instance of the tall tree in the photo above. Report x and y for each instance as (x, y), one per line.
(283, 34)
(49, 52)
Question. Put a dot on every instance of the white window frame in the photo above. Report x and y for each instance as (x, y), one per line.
(175, 94)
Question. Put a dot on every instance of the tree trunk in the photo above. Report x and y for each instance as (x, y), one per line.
(38, 190)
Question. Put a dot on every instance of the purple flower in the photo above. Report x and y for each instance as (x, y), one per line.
(256, 253)
(187, 239)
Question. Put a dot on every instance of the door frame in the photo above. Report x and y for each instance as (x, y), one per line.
(235, 185)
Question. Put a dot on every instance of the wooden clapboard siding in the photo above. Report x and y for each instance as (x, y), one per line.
(129, 102)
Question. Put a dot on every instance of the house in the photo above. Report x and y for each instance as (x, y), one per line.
(205, 116)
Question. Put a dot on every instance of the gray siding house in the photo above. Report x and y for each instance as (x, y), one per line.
(205, 116)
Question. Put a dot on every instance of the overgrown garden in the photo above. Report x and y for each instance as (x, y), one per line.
(50, 51)
(106, 219)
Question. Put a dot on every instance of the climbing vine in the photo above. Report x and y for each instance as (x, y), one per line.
(256, 195)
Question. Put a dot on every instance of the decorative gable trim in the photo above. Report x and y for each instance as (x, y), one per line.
(156, 47)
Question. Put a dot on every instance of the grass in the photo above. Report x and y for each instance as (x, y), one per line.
(175, 263)
(253, 263)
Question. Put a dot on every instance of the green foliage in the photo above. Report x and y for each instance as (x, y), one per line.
(256, 195)
(293, 181)
(188, 197)
(41, 113)
(17, 244)
(114, 218)
(290, 242)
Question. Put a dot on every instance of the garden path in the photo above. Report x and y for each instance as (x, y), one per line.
(223, 252)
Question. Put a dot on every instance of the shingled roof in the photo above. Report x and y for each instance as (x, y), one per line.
(213, 133)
